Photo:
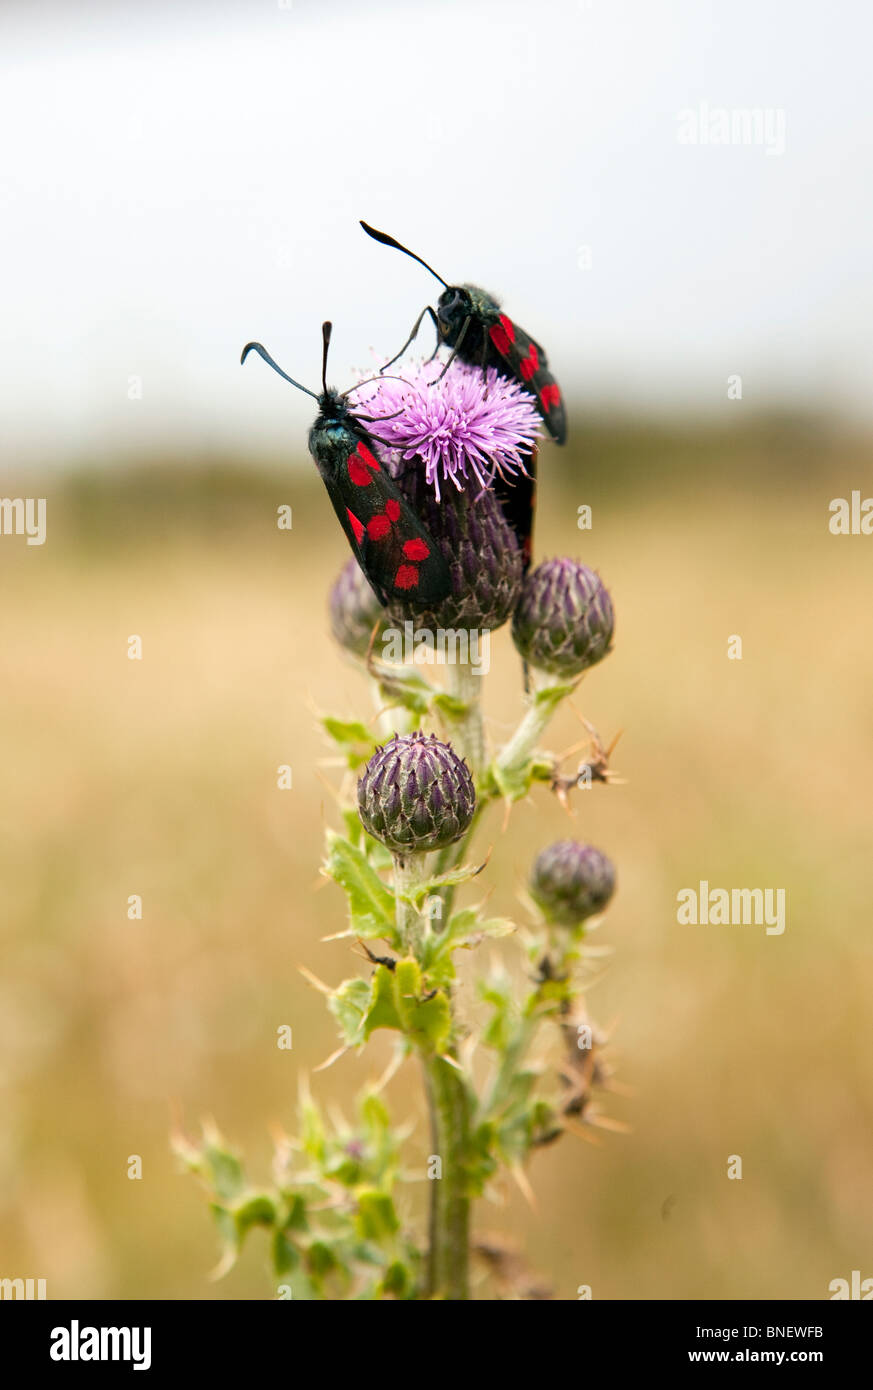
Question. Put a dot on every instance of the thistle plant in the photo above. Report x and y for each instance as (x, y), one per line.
(421, 775)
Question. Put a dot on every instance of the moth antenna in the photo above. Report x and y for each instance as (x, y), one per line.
(374, 419)
(326, 330)
(389, 443)
(262, 352)
(387, 240)
(379, 377)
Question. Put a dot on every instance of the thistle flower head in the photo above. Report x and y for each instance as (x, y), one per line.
(564, 620)
(470, 425)
(416, 794)
(571, 882)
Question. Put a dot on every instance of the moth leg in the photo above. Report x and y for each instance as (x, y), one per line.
(413, 335)
(485, 380)
(454, 352)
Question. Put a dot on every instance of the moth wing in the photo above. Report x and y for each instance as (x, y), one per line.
(528, 363)
(396, 552)
(517, 497)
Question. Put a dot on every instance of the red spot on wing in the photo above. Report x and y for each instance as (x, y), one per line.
(406, 577)
(508, 327)
(378, 527)
(531, 363)
(500, 338)
(361, 464)
(550, 395)
(356, 526)
(367, 456)
(359, 474)
(416, 549)
(392, 509)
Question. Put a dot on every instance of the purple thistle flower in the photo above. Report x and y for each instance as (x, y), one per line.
(467, 423)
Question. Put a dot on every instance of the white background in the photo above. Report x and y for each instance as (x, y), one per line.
(175, 180)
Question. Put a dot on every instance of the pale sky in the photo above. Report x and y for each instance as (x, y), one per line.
(177, 179)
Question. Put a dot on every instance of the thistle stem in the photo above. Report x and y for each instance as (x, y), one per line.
(515, 756)
(510, 1063)
(449, 1251)
(467, 729)
(449, 1106)
(410, 870)
(536, 1010)
(517, 753)
(453, 855)
(511, 761)
(389, 720)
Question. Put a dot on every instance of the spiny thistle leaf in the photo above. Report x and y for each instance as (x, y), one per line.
(353, 737)
(382, 1009)
(349, 1004)
(371, 903)
(376, 1218)
(462, 874)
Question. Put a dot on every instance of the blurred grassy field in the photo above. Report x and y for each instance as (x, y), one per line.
(158, 777)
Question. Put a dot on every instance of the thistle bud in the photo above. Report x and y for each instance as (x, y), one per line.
(481, 550)
(564, 620)
(571, 882)
(354, 609)
(416, 794)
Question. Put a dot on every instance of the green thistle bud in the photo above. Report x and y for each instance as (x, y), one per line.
(570, 882)
(354, 609)
(480, 547)
(564, 620)
(416, 794)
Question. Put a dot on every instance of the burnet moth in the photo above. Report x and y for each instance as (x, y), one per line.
(470, 322)
(395, 552)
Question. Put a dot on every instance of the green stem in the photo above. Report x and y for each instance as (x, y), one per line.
(453, 855)
(449, 1252)
(468, 733)
(537, 1008)
(514, 758)
(389, 719)
(410, 870)
(449, 1105)
(510, 1064)
(511, 761)
(517, 753)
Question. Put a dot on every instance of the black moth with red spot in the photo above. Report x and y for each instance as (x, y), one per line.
(470, 322)
(395, 552)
